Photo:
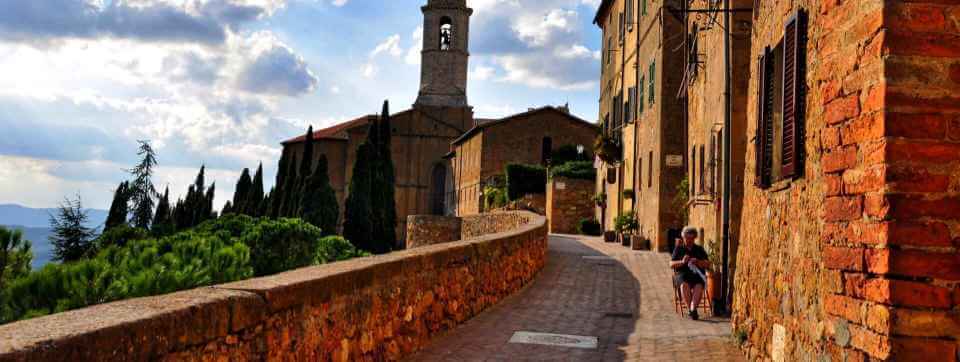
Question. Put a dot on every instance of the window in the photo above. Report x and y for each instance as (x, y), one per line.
(446, 33)
(781, 103)
(693, 170)
(650, 170)
(640, 103)
(643, 7)
(617, 111)
(606, 123)
(629, 15)
(629, 106)
(639, 182)
(653, 74)
(702, 175)
(546, 150)
(609, 50)
(623, 31)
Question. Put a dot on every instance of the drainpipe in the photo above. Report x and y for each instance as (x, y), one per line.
(727, 161)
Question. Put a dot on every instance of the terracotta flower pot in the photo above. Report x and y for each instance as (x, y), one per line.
(713, 284)
(610, 236)
(639, 243)
(625, 239)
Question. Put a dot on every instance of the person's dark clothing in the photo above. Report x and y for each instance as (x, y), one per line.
(684, 274)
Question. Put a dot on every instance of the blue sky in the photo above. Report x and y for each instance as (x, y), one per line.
(222, 82)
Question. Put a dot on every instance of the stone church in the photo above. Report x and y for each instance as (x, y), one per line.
(423, 134)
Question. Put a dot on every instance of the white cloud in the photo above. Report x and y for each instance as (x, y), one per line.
(540, 30)
(339, 3)
(390, 45)
(413, 54)
(370, 70)
(481, 72)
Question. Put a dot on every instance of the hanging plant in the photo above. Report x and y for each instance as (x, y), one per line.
(628, 194)
(608, 149)
(600, 199)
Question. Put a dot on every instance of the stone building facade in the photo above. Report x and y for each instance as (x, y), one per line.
(642, 70)
(483, 152)
(849, 236)
(705, 89)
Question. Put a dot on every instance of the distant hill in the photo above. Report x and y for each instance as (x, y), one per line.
(11, 214)
(35, 225)
(42, 250)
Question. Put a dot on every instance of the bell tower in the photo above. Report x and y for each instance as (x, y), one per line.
(443, 66)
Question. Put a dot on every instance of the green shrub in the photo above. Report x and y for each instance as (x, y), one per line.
(494, 197)
(525, 179)
(581, 170)
(336, 248)
(120, 235)
(281, 245)
(626, 223)
(589, 227)
(568, 153)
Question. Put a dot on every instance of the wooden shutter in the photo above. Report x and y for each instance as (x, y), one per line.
(764, 134)
(640, 98)
(788, 145)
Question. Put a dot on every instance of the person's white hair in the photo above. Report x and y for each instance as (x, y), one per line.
(690, 230)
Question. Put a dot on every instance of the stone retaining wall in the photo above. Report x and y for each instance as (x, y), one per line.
(568, 201)
(376, 308)
(423, 230)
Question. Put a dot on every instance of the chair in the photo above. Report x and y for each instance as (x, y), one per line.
(705, 303)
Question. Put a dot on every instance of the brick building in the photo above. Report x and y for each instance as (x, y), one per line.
(484, 151)
(639, 106)
(850, 233)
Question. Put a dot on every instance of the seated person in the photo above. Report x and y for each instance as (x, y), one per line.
(690, 280)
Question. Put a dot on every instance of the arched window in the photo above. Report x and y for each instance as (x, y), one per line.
(446, 33)
(546, 150)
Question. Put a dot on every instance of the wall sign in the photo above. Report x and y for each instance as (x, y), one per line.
(674, 161)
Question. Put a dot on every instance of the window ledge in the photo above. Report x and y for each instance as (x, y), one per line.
(780, 185)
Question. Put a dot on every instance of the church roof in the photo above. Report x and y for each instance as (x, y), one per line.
(481, 125)
(338, 131)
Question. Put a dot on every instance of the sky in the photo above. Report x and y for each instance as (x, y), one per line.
(222, 82)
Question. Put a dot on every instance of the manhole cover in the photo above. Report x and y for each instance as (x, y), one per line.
(550, 339)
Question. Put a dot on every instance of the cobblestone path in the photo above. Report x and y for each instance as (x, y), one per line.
(595, 289)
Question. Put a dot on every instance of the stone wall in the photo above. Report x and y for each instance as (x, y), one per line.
(423, 230)
(568, 202)
(857, 260)
(376, 308)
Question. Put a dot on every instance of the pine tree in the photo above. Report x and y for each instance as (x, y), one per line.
(118, 208)
(142, 190)
(241, 194)
(15, 255)
(253, 204)
(162, 219)
(71, 239)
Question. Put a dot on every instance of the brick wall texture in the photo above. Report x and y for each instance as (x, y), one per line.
(569, 204)
(376, 308)
(859, 259)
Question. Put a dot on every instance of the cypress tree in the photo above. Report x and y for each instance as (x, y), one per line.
(118, 208)
(142, 190)
(208, 213)
(386, 189)
(370, 210)
(320, 200)
(254, 200)
(276, 194)
(358, 220)
(162, 220)
(289, 207)
(306, 165)
(241, 194)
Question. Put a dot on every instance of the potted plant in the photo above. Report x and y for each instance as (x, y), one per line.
(626, 225)
(607, 149)
(601, 199)
(628, 194)
(609, 236)
(714, 276)
(640, 242)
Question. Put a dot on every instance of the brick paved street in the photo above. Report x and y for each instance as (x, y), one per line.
(626, 301)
